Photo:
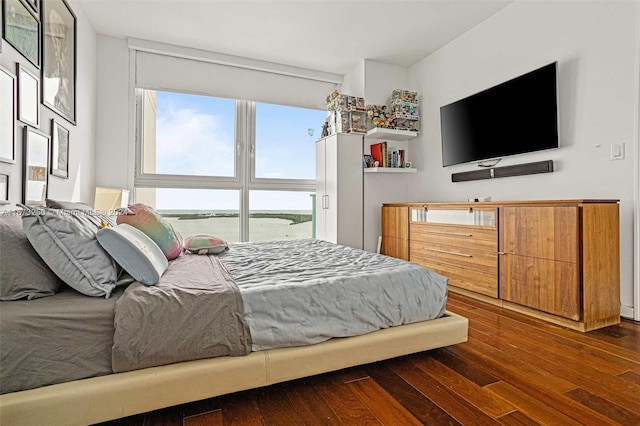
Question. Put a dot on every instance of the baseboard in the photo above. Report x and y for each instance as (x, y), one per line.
(626, 312)
(582, 326)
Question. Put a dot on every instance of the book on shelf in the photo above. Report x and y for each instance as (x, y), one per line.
(379, 153)
(384, 155)
(387, 157)
(395, 158)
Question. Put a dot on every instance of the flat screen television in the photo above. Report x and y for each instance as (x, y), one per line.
(514, 117)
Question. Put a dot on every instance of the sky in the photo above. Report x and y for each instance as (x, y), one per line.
(195, 136)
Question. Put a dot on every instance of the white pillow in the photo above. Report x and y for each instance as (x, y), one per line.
(135, 252)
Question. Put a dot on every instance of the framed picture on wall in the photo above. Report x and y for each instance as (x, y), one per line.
(7, 116)
(4, 189)
(21, 29)
(28, 96)
(36, 167)
(59, 150)
(33, 4)
(59, 59)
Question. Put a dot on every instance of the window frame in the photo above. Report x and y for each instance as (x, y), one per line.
(271, 183)
(245, 149)
(192, 181)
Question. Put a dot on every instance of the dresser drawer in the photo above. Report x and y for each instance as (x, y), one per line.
(458, 236)
(458, 256)
(468, 279)
(419, 231)
(546, 285)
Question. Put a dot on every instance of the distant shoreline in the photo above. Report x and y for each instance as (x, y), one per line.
(294, 218)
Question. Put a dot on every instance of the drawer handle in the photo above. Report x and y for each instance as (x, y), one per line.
(449, 233)
(449, 252)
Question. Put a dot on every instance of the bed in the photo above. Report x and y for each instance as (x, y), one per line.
(310, 306)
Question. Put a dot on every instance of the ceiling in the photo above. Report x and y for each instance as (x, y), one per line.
(328, 35)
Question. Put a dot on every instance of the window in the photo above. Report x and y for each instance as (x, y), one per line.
(282, 143)
(236, 169)
(196, 211)
(289, 217)
(188, 135)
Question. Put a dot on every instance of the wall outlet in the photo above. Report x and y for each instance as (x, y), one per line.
(617, 151)
(479, 199)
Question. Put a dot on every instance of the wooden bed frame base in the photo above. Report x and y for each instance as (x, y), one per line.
(119, 395)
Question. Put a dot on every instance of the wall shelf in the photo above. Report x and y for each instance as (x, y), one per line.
(391, 134)
(389, 170)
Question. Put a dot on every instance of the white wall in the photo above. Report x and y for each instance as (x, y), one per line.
(81, 183)
(353, 81)
(596, 46)
(380, 80)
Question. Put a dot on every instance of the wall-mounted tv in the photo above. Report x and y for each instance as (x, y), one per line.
(517, 116)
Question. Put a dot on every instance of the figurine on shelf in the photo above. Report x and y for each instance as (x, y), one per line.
(357, 122)
(325, 129)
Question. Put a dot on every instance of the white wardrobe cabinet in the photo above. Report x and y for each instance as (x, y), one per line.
(339, 193)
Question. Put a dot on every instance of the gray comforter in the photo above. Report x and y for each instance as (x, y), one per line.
(194, 312)
(291, 293)
(301, 292)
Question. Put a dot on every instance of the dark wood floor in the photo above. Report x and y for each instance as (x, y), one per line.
(514, 370)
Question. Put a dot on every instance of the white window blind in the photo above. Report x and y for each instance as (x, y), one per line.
(167, 72)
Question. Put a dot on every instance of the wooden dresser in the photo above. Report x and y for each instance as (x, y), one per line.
(556, 260)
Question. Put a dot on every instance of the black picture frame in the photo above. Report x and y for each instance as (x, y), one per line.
(28, 96)
(59, 41)
(21, 29)
(34, 5)
(8, 111)
(4, 188)
(35, 186)
(59, 150)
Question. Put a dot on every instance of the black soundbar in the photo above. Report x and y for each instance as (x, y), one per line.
(505, 171)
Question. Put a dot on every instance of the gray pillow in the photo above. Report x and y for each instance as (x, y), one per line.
(23, 274)
(68, 205)
(66, 241)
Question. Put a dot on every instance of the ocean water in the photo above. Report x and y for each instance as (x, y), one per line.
(201, 222)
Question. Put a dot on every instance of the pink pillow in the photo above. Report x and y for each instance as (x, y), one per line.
(205, 244)
(156, 227)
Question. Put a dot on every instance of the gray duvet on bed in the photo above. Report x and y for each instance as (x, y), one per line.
(301, 292)
(194, 312)
(55, 339)
(292, 292)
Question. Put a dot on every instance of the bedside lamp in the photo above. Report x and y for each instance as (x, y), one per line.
(109, 200)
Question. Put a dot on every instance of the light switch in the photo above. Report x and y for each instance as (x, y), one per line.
(617, 151)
